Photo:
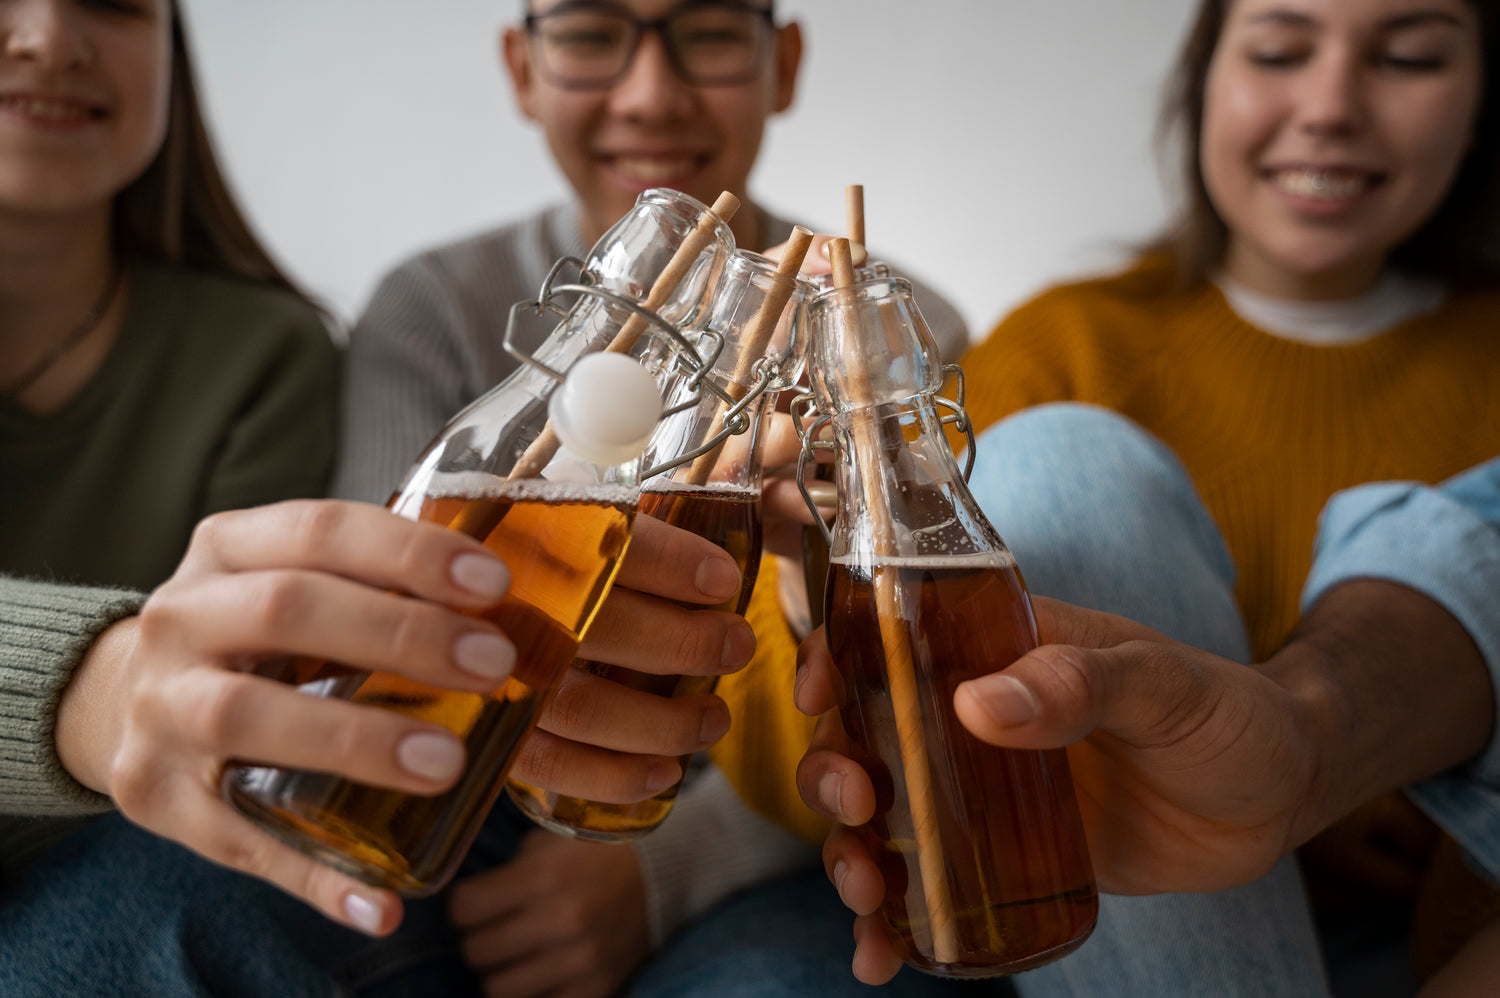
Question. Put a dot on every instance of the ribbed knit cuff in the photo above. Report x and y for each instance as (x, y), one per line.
(710, 846)
(45, 629)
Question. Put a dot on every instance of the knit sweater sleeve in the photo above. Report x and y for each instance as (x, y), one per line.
(713, 845)
(45, 629)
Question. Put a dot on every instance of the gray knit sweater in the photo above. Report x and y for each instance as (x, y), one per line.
(429, 342)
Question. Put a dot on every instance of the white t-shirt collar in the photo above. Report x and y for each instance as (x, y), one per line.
(1396, 299)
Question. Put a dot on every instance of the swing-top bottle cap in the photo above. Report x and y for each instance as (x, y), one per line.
(606, 409)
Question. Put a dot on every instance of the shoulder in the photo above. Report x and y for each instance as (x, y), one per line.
(514, 254)
(1143, 288)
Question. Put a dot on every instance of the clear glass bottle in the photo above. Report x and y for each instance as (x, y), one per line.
(814, 544)
(753, 348)
(982, 848)
(558, 512)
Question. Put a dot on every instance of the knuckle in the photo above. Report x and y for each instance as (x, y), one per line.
(572, 708)
(212, 712)
(209, 530)
(572, 917)
(314, 525)
(538, 762)
(133, 783)
(249, 854)
(276, 601)
(416, 630)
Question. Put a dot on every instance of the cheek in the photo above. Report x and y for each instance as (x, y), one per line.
(148, 106)
(1239, 122)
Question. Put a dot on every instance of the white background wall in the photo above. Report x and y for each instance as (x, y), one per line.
(1003, 144)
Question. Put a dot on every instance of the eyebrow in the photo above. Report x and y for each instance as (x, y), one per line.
(1417, 18)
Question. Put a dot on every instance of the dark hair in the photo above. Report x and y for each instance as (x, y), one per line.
(180, 210)
(1459, 243)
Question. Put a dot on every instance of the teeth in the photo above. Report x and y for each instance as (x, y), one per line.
(50, 110)
(1321, 184)
(653, 170)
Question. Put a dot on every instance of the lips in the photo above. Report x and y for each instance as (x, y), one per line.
(1315, 183)
(654, 169)
(50, 110)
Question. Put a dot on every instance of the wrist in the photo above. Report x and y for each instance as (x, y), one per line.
(1320, 714)
(89, 711)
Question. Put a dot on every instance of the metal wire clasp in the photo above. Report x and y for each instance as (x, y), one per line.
(692, 359)
(809, 425)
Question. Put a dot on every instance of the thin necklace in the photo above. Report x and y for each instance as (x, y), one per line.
(75, 336)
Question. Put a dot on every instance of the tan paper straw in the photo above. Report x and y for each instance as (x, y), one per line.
(763, 327)
(854, 221)
(900, 671)
(545, 446)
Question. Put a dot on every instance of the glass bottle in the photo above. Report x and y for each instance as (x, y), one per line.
(814, 544)
(982, 848)
(557, 508)
(752, 349)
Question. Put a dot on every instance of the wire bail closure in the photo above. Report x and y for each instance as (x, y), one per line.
(804, 408)
(683, 357)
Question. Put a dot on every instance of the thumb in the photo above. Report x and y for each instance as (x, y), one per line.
(1112, 674)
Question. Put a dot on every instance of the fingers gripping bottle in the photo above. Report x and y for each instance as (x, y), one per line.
(982, 848)
(555, 498)
(751, 349)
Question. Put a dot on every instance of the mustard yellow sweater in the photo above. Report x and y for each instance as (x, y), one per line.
(1268, 428)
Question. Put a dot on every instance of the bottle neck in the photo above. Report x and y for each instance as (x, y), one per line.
(901, 491)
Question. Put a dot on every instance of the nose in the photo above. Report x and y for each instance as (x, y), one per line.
(651, 88)
(45, 32)
(1331, 98)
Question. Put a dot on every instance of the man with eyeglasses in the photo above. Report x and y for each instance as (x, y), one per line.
(629, 95)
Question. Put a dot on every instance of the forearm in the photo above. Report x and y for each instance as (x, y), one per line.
(1393, 687)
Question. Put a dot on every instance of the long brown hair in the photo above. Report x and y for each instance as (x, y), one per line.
(1458, 244)
(180, 210)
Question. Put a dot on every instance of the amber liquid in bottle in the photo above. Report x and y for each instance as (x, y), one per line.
(562, 548)
(729, 517)
(1019, 877)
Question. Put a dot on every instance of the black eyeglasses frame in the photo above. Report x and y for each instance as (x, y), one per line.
(532, 23)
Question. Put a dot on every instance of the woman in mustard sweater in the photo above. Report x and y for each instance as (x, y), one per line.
(1322, 314)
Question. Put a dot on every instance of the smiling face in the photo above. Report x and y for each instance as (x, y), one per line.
(652, 128)
(84, 89)
(1331, 131)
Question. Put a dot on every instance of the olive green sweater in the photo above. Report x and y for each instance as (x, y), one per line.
(216, 395)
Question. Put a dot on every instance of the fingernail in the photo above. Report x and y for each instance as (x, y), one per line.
(1006, 699)
(663, 775)
(797, 685)
(486, 655)
(481, 575)
(362, 913)
(715, 724)
(830, 790)
(840, 871)
(739, 645)
(718, 577)
(431, 755)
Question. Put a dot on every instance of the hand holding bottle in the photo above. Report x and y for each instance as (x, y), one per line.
(163, 700)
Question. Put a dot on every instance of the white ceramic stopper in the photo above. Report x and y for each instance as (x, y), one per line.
(606, 409)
